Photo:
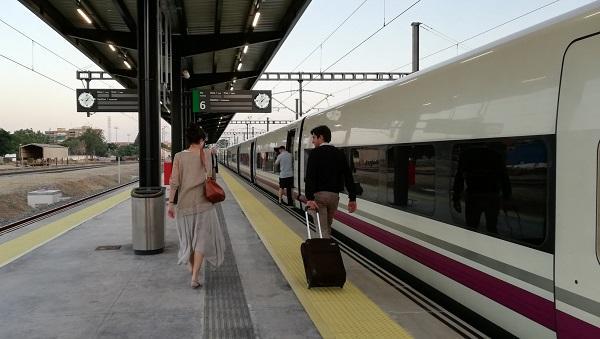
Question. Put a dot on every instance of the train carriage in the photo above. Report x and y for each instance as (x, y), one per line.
(479, 176)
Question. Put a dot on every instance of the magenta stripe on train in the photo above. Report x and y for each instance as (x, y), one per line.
(526, 303)
(519, 300)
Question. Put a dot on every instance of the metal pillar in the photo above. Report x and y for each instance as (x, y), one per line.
(267, 124)
(247, 131)
(177, 143)
(253, 132)
(415, 46)
(148, 212)
(300, 97)
(296, 109)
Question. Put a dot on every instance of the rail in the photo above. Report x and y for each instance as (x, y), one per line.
(47, 213)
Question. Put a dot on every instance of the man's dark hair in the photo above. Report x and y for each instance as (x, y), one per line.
(323, 131)
(281, 148)
(194, 134)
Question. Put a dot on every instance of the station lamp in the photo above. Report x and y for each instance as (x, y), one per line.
(239, 66)
(255, 21)
(84, 15)
(112, 47)
(246, 49)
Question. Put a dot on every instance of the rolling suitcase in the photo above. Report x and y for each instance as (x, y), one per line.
(322, 259)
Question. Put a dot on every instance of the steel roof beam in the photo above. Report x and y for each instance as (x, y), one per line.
(121, 39)
(49, 14)
(217, 25)
(125, 15)
(205, 79)
(203, 43)
(189, 45)
(123, 73)
(293, 14)
(181, 17)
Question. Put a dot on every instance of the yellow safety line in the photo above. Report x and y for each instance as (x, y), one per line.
(337, 313)
(13, 249)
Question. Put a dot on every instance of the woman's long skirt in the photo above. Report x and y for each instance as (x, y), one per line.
(200, 232)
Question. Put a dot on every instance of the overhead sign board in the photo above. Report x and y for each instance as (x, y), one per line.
(107, 100)
(242, 101)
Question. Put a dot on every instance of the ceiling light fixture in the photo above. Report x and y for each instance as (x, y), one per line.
(127, 64)
(112, 47)
(255, 21)
(245, 49)
(239, 66)
(84, 16)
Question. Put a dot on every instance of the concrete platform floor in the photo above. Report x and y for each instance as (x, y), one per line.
(67, 289)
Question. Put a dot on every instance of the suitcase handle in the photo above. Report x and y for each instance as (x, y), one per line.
(308, 223)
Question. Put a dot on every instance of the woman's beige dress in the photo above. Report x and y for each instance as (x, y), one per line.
(196, 218)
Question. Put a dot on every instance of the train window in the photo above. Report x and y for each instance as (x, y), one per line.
(410, 178)
(260, 161)
(244, 159)
(365, 163)
(270, 162)
(500, 187)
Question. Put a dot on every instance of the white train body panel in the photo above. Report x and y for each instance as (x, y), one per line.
(506, 90)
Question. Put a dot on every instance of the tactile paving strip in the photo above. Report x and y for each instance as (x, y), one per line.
(337, 313)
(226, 313)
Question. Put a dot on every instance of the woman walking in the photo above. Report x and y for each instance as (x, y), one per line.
(200, 236)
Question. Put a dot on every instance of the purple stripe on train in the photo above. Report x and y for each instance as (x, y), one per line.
(526, 303)
(570, 327)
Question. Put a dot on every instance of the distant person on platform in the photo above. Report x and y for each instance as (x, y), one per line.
(198, 228)
(286, 174)
(327, 173)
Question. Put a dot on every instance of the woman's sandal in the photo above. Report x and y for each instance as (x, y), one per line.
(195, 284)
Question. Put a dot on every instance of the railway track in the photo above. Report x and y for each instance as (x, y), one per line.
(55, 170)
(58, 209)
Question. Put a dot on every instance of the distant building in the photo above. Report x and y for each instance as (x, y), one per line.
(43, 153)
(61, 134)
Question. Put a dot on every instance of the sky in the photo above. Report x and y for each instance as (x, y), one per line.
(29, 100)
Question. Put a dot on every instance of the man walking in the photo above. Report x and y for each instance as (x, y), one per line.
(286, 174)
(327, 173)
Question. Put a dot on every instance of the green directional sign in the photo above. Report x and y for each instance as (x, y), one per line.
(242, 101)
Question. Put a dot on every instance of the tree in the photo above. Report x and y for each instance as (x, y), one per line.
(94, 142)
(128, 150)
(75, 145)
(6, 143)
(28, 136)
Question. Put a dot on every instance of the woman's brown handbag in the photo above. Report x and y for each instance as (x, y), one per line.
(213, 192)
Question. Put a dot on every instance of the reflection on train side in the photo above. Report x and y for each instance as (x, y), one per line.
(498, 187)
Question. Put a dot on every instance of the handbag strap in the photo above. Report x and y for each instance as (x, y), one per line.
(203, 161)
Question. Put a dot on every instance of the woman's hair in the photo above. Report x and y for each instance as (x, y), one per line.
(194, 134)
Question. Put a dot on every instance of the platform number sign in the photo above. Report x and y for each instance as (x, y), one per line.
(242, 101)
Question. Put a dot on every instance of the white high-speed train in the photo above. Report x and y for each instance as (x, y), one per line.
(479, 176)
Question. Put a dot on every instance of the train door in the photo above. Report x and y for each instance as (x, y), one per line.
(252, 161)
(290, 142)
(237, 160)
(577, 265)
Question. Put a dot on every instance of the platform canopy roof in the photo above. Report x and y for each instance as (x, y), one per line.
(209, 34)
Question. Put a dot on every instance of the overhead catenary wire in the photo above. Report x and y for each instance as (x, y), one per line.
(320, 45)
(34, 71)
(35, 42)
(366, 39)
(461, 42)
